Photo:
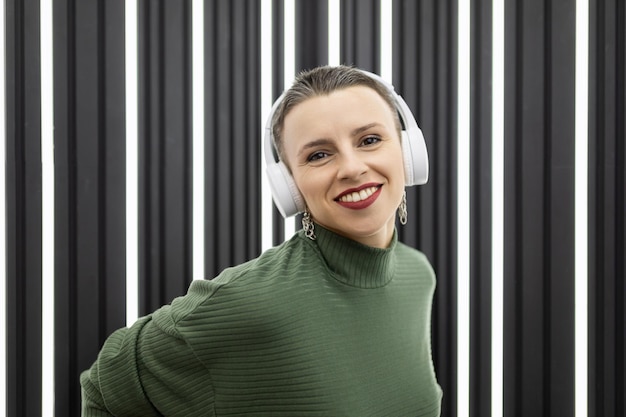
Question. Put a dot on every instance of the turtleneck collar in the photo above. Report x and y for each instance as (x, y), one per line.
(354, 263)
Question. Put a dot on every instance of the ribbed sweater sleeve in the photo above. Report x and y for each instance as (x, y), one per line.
(112, 386)
(148, 354)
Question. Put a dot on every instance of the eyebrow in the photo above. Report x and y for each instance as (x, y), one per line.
(362, 129)
(324, 141)
(313, 144)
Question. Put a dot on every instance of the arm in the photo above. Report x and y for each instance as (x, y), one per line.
(147, 370)
(113, 383)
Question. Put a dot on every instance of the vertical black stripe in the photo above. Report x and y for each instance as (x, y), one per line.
(145, 131)
(246, 137)
(238, 141)
(446, 100)
(547, 200)
(210, 103)
(65, 206)
(620, 208)
(232, 87)
(165, 146)
(480, 208)
(360, 34)
(89, 207)
(562, 216)
(539, 250)
(23, 208)
(311, 23)
(223, 150)
(113, 148)
(278, 76)
(596, 195)
(159, 174)
(101, 149)
(606, 208)
(254, 117)
(512, 221)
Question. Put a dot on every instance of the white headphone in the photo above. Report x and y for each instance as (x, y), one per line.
(286, 195)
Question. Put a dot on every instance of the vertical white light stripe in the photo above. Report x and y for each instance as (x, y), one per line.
(267, 220)
(47, 213)
(132, 188)
(581, 206)
(386, 40)
(198, 137)
(497, 210)
(289, 45)
(290, 72)
(463, 208)
(3, 236)
(334, 32)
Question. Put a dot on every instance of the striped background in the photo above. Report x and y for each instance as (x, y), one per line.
(131, 164)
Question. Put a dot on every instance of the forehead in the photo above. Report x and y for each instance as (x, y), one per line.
(344, 105)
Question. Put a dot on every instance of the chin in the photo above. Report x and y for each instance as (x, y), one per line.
(358, 233)
(358, 228)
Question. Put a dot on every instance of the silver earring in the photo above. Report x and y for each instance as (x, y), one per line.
(308, 226)
(402, 214)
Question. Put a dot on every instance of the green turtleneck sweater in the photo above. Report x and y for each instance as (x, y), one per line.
(310, 328)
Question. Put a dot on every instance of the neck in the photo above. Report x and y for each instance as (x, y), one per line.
(354, 263)
(380, 239)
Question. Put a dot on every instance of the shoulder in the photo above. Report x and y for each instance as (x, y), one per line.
(278, 260)
(414, 265)
(251, 282)
(409, 254)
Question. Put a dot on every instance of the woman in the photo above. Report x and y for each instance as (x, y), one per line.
(333, 322)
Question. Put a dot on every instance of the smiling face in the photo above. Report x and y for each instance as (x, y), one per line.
(345, 156)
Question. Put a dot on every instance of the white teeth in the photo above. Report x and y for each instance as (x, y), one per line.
(358, 196)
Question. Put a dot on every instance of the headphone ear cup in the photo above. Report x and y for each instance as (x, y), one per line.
(286, 195)
(415, 157)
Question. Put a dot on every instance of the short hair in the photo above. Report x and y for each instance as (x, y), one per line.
(323, 81)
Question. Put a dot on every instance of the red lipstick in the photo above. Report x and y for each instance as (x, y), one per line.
(360, 197)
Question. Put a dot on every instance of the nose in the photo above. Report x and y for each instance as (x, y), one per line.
(351, 165)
